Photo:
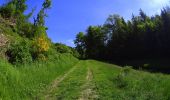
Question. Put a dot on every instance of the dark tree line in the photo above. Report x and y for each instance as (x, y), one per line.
(139, 38)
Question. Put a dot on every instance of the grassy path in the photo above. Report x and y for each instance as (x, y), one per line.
(94, 80)
(68, 85)
(55, 84)
(88, 92)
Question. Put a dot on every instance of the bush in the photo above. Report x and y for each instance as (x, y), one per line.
(25, 29)
(41, 46)
(126, 70)
(121, 82)
(121, 79)
(19, 52)
(62, 48)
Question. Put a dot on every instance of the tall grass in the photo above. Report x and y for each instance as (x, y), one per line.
(116, 83)
(26, 81)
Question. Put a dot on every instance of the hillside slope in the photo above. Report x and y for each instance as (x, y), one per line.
(24, 80)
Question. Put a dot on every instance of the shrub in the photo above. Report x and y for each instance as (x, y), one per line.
(121, 82)
(19, 52)
(25, 29)
(121, 79)
(62, 48)
(41, 46)
(126, 70)
(146, 65)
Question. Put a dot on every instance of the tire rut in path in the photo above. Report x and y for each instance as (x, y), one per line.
(47, 94)
(88, 92)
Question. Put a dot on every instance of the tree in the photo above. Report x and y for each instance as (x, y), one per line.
(95, 42)
(117, 42)
(20, 6)
(40, 20)
(143, 16)
(139, 38)
(80, 44)
(41, 42)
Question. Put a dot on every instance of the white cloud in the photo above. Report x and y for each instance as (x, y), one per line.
(159, 2)
(70, 42)
(155, 3)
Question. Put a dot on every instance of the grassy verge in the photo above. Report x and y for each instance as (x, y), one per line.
(113, 83)
(26, 81)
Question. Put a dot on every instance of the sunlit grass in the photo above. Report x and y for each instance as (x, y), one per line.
(26, 81)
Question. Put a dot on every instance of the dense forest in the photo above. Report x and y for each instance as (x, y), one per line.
(139, 38)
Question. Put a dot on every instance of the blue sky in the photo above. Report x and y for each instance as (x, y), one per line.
(68, 17)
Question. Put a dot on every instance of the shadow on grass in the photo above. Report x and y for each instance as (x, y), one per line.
(150, 65)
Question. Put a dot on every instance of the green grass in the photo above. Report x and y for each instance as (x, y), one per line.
(114, 83)
(70, 87)
(26, 81)
(108, 81)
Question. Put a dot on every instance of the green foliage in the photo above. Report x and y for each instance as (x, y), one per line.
(126, 70)
(47, 4)
(120, 81)
(75, 53)
(20, 6)
(7, 11)
(20, 52)
(40, 20)
(62, 48)
(13, 8)
(41, 43)
(95, 42)
(142, 37)
(80, 44)
(24, 27)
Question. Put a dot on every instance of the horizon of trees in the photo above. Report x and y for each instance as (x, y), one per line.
(139, 38)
